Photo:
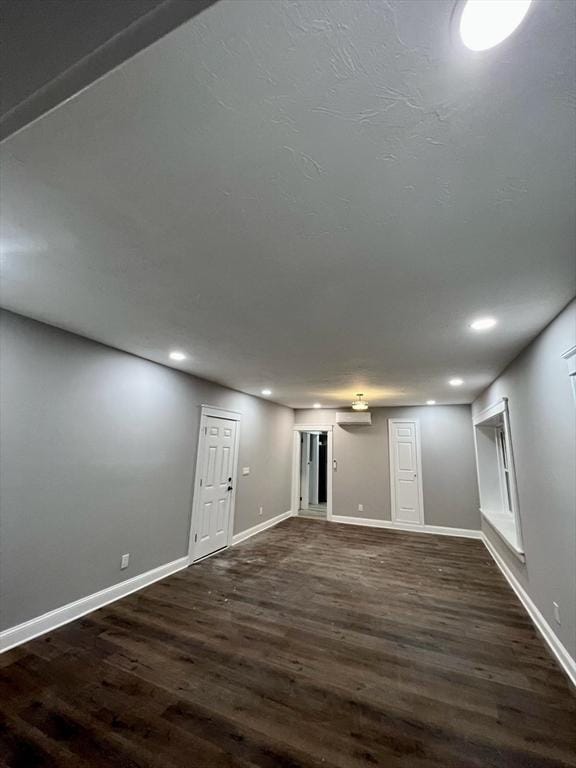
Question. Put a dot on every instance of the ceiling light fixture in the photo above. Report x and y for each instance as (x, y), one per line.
(359, 404)
(485, 23)
(456, 382)
(430, 402)
(317, 405)
(178, 356)
(266, 392)
(483, 323)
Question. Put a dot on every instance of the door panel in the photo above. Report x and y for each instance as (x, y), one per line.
(216, 485)
(405, 456)
(405, 477)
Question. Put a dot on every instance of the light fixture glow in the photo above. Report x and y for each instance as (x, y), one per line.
(317, 405)
(266, 392)
(483, 323)
(177, 356)
(359, 404)
(430, 402)
(456, 382)
(485, 23)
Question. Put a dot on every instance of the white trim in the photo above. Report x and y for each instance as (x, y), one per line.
(220, 413)
(570, 357)
(212, 411)
(23, 633)
(313, 428)
(567, 663)
(491, 519)
(501, 407)
(438, 530)
(569, 353)
(249, 532)
(392, 470)
(295, 492)
(304, 471)
(490, 411)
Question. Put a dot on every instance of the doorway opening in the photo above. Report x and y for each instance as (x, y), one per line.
(312, 472)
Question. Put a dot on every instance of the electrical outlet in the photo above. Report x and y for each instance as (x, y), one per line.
(556, 612)
(124, 561)
(261, 510)
(360, 507)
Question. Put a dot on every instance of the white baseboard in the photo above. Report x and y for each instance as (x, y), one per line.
(566, 661)
(243, 535)
(22, 633)
(439, 530)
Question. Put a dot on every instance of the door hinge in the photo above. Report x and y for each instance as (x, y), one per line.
(205, 430)
(195, 538)
(200, 482)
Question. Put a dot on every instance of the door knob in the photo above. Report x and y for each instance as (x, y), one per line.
(229, 488)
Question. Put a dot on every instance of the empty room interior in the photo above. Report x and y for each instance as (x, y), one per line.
(288, 384)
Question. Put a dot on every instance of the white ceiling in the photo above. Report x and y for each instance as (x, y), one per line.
(312, 196)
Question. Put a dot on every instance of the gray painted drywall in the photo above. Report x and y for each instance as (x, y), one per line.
(448, 464)
(543, 431)
(98, 451)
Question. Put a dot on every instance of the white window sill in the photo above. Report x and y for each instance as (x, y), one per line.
(503, 524)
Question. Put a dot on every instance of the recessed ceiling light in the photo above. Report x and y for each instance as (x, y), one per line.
(177, 356)
(456, 382)
(485, 23)
(430, 402)
(266, 392)
(317, 405)
(483, 323)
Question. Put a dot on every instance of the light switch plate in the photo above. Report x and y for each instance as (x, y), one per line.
(245, 471)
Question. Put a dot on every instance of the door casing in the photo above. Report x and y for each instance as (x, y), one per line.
(218, 413)
(296, 465)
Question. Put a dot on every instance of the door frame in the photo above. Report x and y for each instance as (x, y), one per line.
(298, 429)
(391, 463)
(315, 469)
(304, 496)
(218, 413)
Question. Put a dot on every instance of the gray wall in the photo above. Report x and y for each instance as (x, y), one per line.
(55, 49)
(98, 451)
(448, 464)
(543, 430)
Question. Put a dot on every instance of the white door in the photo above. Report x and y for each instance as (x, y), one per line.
(217, 468)
(405, 472)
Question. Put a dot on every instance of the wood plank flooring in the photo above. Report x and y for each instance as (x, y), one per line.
(312, 645)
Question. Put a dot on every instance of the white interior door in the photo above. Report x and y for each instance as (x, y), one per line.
(218, 471)
(405, 472)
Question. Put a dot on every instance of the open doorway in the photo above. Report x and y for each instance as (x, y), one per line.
(313, 474)
(312, 486)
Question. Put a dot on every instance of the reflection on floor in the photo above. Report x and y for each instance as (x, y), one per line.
(316, 511)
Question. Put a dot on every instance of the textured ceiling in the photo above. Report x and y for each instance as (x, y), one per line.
(312, 196)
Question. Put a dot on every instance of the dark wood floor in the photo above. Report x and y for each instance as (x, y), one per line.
(312, 645)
